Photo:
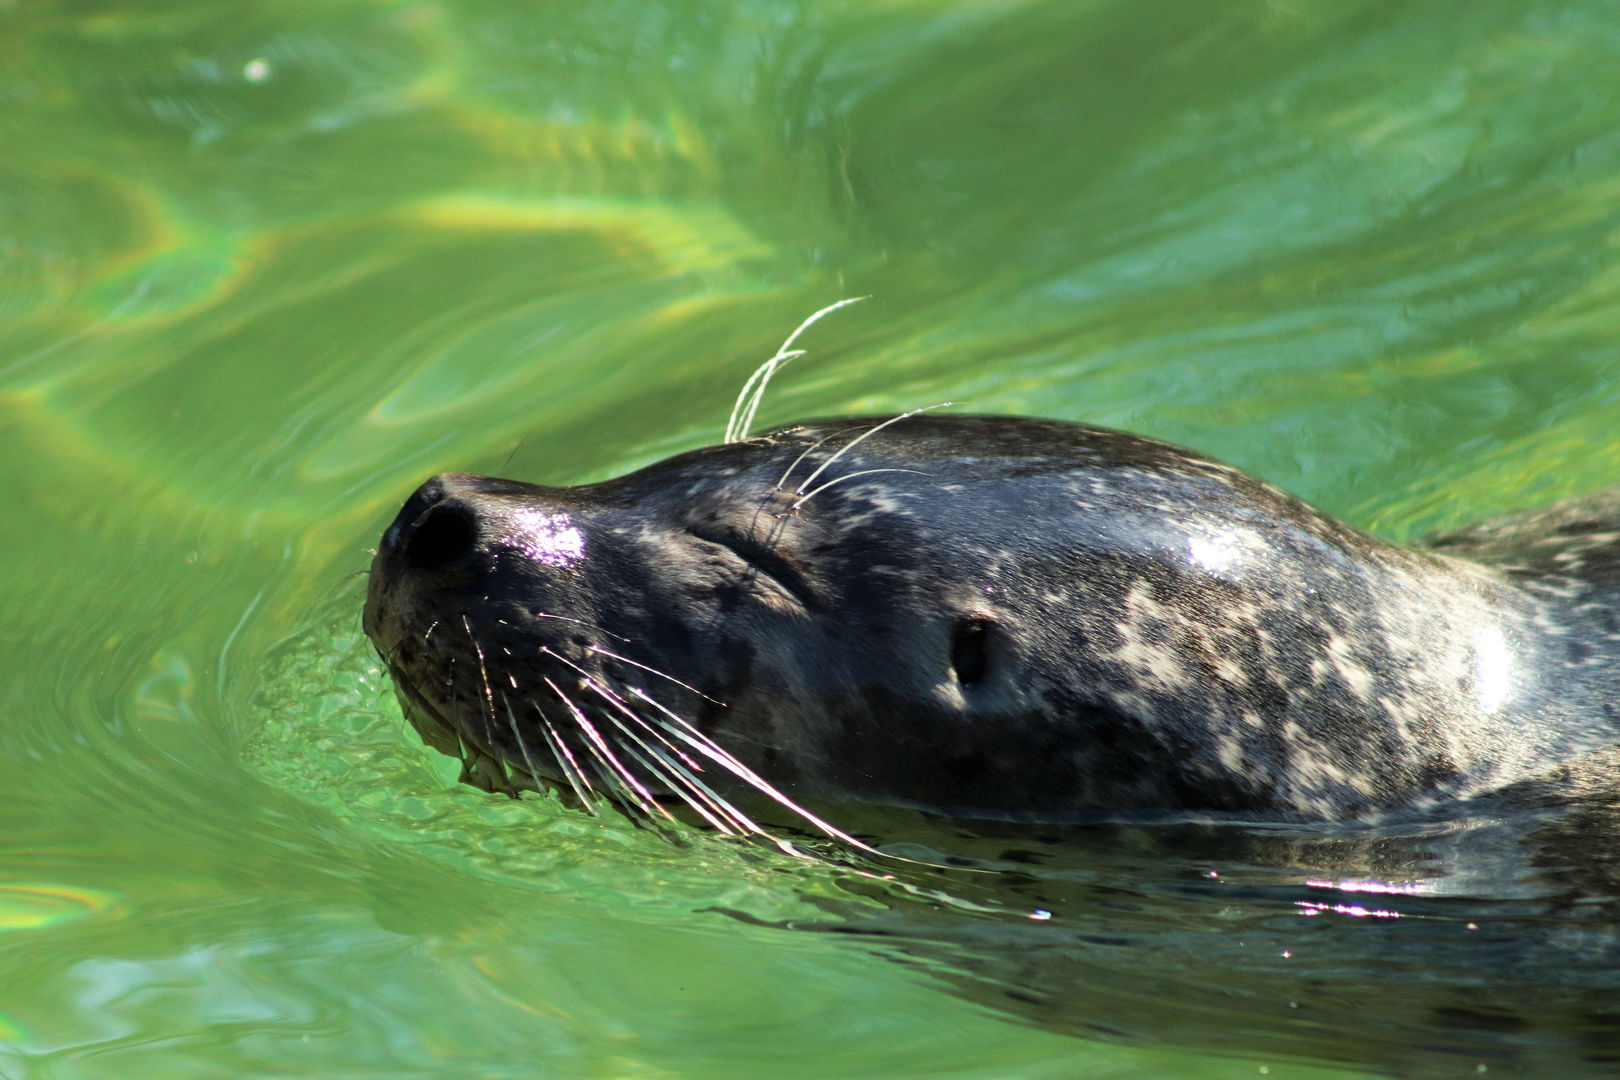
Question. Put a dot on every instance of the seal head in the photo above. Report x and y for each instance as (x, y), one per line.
(981, 615)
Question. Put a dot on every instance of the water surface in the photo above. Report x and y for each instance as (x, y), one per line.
(266, 265)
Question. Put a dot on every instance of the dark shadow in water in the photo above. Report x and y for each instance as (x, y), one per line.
(1426, 947)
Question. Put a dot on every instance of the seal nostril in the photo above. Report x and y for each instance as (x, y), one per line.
(970, 652)
(444, 536)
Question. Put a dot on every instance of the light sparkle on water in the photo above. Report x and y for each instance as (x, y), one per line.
(1356, 911)
(1367, 885)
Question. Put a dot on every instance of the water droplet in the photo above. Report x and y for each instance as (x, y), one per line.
(257, 70)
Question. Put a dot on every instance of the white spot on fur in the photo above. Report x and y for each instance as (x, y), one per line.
(1152, 662)
(1356, 678)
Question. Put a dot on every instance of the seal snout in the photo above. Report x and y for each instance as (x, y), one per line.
(440, 524)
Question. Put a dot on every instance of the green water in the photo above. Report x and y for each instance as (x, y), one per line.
(265, 265)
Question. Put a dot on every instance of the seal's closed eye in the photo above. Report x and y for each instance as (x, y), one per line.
(768, 562)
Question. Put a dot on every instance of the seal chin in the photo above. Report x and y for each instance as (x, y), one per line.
(430, 724)
(984, 615)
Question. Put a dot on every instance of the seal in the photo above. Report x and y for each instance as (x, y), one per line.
(988, 616)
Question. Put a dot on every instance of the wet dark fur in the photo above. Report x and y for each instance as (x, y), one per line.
(1006, 617)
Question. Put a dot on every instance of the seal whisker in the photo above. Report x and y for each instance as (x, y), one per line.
(607, 694)
(682, 729)
(674, 783)
(564, 754)
(753, 391)
(515, 448)
(345, 579)
(565, 761)
(626, 799)
(653, 671)
(611, 776)
(523, 746)
(840, 479)
(748, 825)
(812, 448)
(644, 797)
(742, 823)
(739, 820)
(778, 526)
(612, 785)
(580, 622)
(847, 447)
(489, 693)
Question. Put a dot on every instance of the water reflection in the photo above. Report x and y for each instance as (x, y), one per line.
(1412, 948)
(265, 266)
(1485, 933)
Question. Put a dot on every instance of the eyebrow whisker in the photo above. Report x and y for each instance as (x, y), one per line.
(840, 479)
(853, 443)
(753, 391)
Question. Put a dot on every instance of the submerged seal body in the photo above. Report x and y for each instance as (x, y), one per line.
(993, 616)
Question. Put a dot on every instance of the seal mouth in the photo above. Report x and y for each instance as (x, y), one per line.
(478, 767)
(610, 739)
(437, 731)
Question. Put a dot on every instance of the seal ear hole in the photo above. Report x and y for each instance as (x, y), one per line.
(970, 651)
(444, 536)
